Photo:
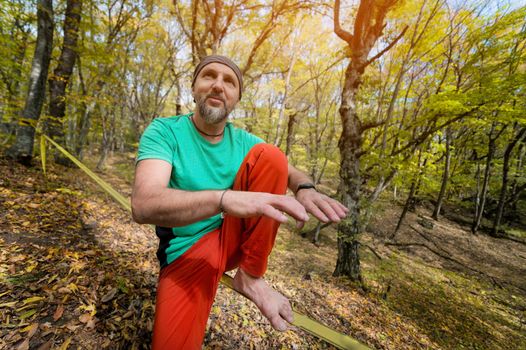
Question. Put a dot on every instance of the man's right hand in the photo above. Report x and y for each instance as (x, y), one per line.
(248, 204)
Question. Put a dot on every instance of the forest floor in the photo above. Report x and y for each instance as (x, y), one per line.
(77, 273)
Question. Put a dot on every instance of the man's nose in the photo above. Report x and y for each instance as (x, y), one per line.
(218, 85)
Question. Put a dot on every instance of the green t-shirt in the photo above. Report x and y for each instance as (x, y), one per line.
(197, 165)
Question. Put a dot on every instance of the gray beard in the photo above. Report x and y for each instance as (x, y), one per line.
(211, 115)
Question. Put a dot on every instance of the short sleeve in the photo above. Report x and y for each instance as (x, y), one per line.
(253, 140)
(156, 143)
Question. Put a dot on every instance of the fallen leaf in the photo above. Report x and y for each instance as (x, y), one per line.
(65, 345)
(90, 324)
(46, 346)
(73, 287)
(8, 304)
(32, 330)
(24, 345)
(28, 314)
(58, 313)
(33, 300)
(64, 290)
(72, 327)
(85, 318)
(108, 296)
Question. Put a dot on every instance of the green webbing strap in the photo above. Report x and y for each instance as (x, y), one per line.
(105, 186)
(317, 329)
(341, 341)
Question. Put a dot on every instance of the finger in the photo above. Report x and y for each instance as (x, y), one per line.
(337, 208)
(300, 224)
(318, 214)
(327, 210)
(273, 213)
(290, 206)
(344, 208)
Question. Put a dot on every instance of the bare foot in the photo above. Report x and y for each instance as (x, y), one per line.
(273, 305)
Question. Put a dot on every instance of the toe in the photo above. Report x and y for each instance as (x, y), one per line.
(278, 323)
(286, 312)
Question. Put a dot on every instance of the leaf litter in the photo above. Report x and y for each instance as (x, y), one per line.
(76, 272)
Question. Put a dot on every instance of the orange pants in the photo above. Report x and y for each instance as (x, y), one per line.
(188, 285)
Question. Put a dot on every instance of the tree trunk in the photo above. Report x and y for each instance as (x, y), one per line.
(283, 106)
(22, 149)
(445, 176)
(350, 145)
(478, 218)
(290, 133)
(58, 82)
(410, 201)
(84, 128)
(368, 27)
(108, 136)
(491, 153)
(85, 116)
(348, 263)
(503, 190)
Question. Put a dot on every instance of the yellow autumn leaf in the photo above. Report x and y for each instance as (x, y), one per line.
(91, 308)
(65, 345)
(28, 314)
(216, 310)
(73, 287)
(33, 300)
(32, 266)
(9, 304)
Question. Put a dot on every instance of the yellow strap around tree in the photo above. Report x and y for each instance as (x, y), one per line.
(317, 329)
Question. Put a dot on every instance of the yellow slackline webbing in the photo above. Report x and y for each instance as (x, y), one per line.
(315, 328)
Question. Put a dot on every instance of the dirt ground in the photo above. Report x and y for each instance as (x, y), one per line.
(452, 246)
(77, 273)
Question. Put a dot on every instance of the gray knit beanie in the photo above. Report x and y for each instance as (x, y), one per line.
(223, 60)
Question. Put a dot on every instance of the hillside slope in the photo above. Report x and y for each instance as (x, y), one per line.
(76, 272)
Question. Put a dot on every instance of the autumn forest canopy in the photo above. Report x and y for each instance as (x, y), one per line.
(419, 105)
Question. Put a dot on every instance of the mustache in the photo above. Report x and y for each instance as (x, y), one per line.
(216, 96)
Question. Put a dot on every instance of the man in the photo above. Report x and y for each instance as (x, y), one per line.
(217, 197)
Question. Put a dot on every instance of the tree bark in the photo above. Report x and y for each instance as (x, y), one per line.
(290, 133)
(368, 28)
(285, 95)
(410, 201)
(445, 175)
(504, 187)
(59, 80)
(22, 149)
(489, 158)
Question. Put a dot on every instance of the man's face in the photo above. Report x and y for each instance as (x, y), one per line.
(216, 92)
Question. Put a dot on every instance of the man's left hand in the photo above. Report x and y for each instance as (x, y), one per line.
(321, 206)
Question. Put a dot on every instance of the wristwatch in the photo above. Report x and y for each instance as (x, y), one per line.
(304, 186)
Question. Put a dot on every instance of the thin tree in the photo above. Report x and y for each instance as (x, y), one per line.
(58, 81)
(505, 174)
(22, 149)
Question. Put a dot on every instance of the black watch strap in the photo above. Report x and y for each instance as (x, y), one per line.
(305, 186)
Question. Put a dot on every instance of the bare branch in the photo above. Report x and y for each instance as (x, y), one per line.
(387, 48)
(343, 34)
(370, 125)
